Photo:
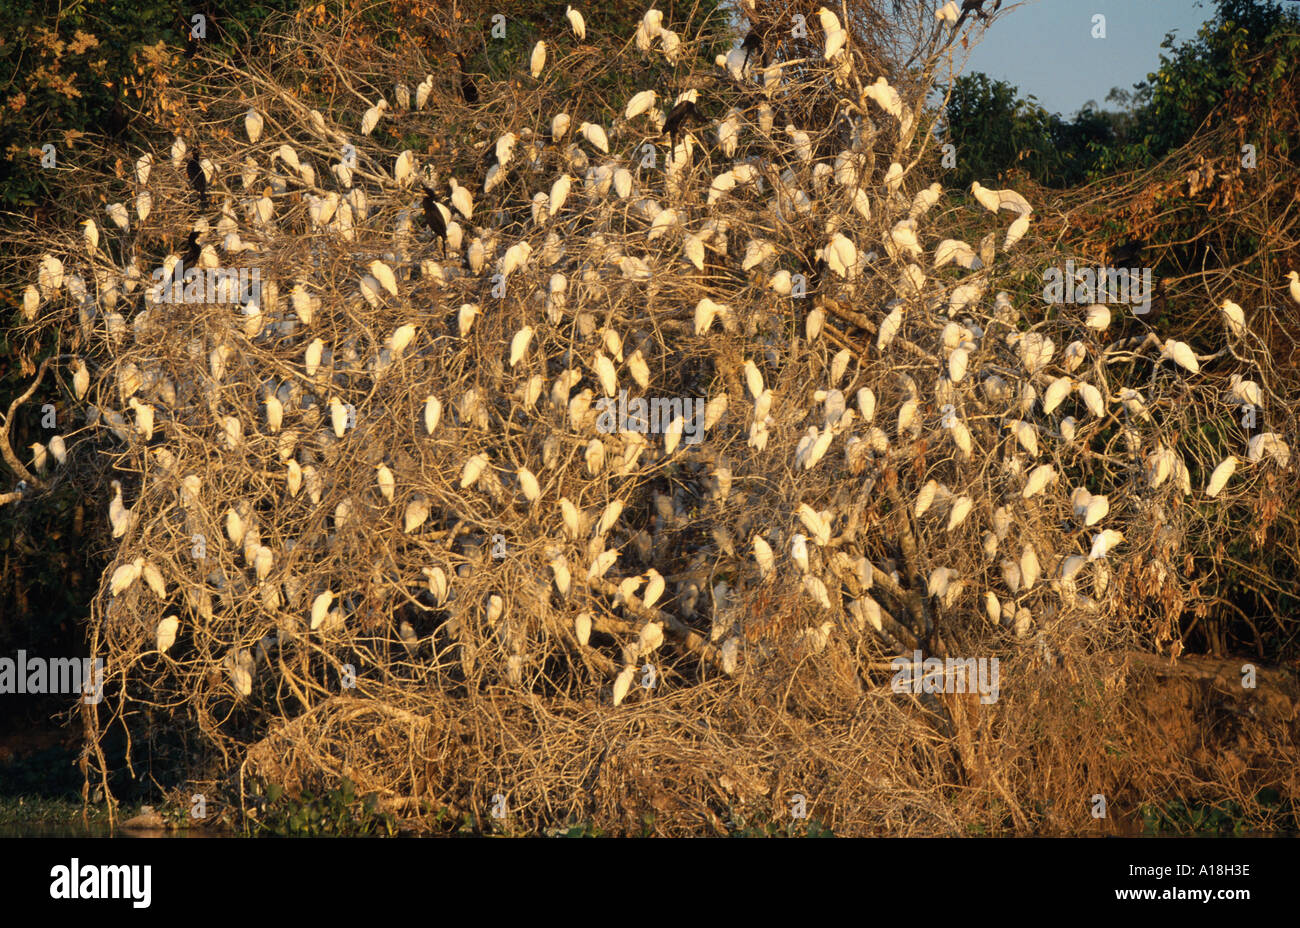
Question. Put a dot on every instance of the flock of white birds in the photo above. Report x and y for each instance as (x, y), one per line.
(296, 470)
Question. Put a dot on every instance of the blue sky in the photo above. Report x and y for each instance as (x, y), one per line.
(1045, 47)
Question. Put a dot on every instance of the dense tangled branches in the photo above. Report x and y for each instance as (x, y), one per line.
(384, 483)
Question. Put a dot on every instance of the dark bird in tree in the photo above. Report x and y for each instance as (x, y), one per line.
(753, 43)
(468, 89)
(1126, 255)
(190, 258)
(198, 178)
(117, 122)
(433, 216)
(677, 116)
(976, 7)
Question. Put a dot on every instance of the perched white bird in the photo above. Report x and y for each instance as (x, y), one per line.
(1097, 317)
(1235, 318)
(165, 634)
(841, 255)
(537, 60)
(889, 327)
(1269, 443)
(763, 556)
(1219, 479)
(125, 576)
(595, 135)
(1092, 398)
(528, 483)
(1244, 392)
(994, 200)
(623, 683)
(1016, 231)
(415, 514)
(320, 608)
(473, 469)
(384, 274)
(640, 103)
(799, 551)
(1294, 286)
(121, 218)
(1182, 355)
(1038, 480)
(1056, 393)
(654, 588)
(31, 303)
(925, 200)
(886, 96)
(371, 117)
(802, 142)
(705, 312)
(519, 344)
(579, 26)
(118, 515)
(836, 37)
(465, 318)
(1103, 541)
(516, 256)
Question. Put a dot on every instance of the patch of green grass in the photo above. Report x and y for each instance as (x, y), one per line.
(1267, 813)
(42, 815)
(336, 813)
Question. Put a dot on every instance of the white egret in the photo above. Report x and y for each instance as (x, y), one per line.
(1269, 443)
(528, 483)
(384, 477)
(623, 683)
(836, 37)
(705, 312)
(994, 200)
(1235, 318)
(1182, 355)
(338, 416)
(121, 218)
(799, 551)
(432, 413)
(579, 26)
(372, 115)
(125, 576)
(473, 469)
(165, 634)
(640, 103)
(886, 96)
(763, 556)
(1219, 479)
(31, 303)
(1038, 480)
(519, 344)
(802, 143)
(384, 274)
(841, 255)
(1016, 231)
(415, 514)
(595, 135)
(118, 515)
(1103, 541)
